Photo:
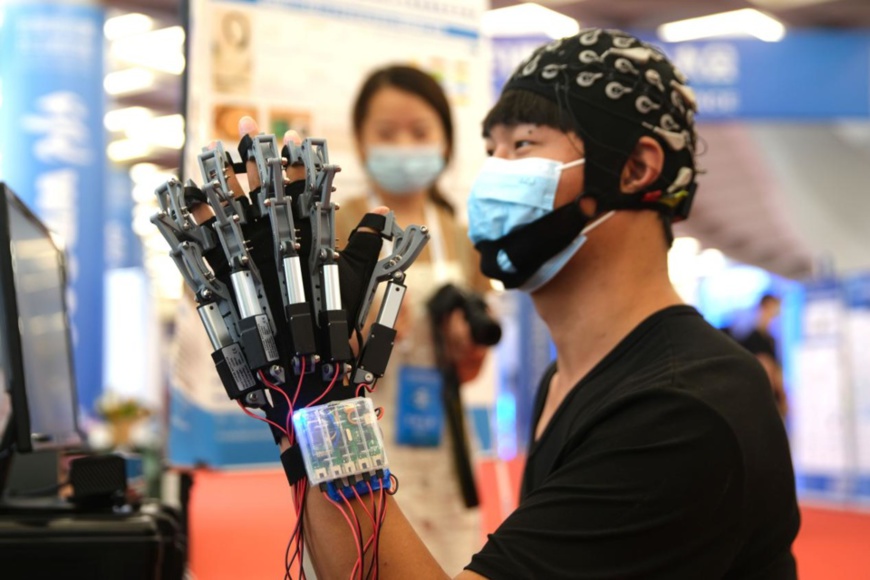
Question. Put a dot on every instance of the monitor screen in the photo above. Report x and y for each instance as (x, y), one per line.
(37, 362)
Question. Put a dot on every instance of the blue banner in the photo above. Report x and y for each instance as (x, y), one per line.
(808, 75)
(51, 114)
(507, 54)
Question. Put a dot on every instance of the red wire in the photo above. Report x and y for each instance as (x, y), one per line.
(365, 507)
(248, 413)
(360, 561)
(299, 384)
(286, 396)
(373, 571)
(329, 388)
(350, 524)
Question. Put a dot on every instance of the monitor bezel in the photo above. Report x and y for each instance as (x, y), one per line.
(20, 428)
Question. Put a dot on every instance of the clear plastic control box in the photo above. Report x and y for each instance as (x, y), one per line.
(340, 440)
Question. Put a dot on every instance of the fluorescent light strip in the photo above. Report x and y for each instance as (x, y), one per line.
(127, 149)
(166, 131)
(527, 19)
(746, 22)
(159, 50)
(126, 25)
(119, 119)
(130, 80)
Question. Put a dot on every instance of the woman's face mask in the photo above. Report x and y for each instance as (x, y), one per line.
(404, 169)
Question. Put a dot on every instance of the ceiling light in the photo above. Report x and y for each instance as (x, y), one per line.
(127, 149)
(528, 19)
(746, 22)
(130, 80)
(119, 119)
(166, 131)
(126, 25)
(159, 50)
(144, 172)
(785, 4)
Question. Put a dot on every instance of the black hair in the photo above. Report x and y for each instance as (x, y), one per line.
(768, 299)
(410, 80)
(516, 107)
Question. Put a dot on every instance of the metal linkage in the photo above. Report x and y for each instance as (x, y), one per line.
(375, 354)
(286, 247)
(315, 204)
(256, 326)
(216, 310)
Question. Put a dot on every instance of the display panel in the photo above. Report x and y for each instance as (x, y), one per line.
(37, 364)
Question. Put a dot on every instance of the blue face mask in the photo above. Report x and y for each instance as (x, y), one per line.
(511, 213)
(404, 170)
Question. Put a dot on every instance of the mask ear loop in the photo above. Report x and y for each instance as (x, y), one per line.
(600, 220)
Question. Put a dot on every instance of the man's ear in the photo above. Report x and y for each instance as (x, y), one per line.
(643, 166)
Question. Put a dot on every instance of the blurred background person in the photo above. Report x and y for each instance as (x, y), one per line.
(761, 343)
(404, 137)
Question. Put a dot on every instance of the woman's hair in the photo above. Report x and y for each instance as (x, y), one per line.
(418, 83)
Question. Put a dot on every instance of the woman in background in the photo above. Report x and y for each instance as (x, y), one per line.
(404, 137)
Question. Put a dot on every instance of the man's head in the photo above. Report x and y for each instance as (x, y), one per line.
(610, 89)
(586, 126)
(768, 309)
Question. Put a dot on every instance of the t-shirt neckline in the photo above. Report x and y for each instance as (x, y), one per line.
(615, 354)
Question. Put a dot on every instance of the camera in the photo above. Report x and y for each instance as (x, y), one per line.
(484, 329)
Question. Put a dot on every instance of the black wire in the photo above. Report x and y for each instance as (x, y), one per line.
(373, 566)
(301, 543)
(379, 517)
(297, 533)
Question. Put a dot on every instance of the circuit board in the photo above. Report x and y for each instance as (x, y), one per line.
(340, 440)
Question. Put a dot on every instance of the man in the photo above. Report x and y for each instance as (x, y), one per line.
(657, 451)
(761, 343)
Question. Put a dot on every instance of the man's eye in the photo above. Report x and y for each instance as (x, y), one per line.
(522, 143)
(489, 152)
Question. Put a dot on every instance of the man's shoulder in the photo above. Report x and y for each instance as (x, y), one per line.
(680, 355)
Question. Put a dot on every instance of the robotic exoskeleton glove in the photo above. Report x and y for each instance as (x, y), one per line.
(278, 301)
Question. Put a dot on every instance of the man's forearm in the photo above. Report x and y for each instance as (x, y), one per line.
(330, 541)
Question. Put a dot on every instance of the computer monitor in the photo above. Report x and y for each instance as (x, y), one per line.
(38, 401)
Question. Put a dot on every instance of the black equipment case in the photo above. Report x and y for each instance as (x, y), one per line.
(149, 543)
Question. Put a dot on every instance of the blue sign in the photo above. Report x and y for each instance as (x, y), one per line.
(808, 75)
(508, 53)
(123, 247)
(51, 113)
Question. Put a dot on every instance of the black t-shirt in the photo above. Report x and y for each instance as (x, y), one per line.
(668, 460)
(758, 342)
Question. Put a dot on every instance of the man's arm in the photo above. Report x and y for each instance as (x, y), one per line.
(333, 550)
(654, 490)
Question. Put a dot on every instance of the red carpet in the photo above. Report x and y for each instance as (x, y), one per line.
(241, 521)
(833, 544)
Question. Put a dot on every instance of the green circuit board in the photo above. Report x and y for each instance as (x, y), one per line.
(340, 440)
